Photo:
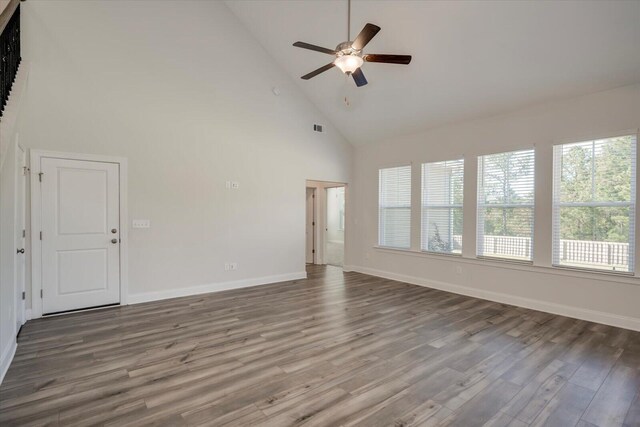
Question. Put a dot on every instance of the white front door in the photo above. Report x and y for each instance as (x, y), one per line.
(20, 234)
(80, 234)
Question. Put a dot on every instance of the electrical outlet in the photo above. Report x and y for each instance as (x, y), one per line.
(232, 185)
(458, 269)
(141, 223)
(233, 266)
(226, 266)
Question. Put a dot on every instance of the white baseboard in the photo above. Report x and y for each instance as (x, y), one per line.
(347, 268)
(7, 357)
(611, 319)
(214, 287)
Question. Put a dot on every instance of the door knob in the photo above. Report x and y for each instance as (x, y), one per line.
(20, 251)
(114, 241)
(114, 231)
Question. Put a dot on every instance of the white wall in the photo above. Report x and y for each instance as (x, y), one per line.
(600, 297)
(183, 91)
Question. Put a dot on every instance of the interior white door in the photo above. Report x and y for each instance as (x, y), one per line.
(20, 234)
(310, 230)
(80, 234)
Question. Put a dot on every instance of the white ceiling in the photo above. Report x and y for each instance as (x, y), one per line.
(470, 59)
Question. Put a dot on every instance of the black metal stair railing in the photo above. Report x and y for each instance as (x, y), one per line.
(9, 56)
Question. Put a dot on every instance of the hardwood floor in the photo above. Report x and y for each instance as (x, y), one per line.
(335, 349)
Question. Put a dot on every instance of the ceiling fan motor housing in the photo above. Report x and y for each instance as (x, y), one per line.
(346, 48)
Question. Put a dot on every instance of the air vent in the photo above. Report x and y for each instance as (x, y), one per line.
(317, 128)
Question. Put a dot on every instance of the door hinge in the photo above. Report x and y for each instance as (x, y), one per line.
(313, 251)
(24, 233)
(25, 170)
(23, 294)
(41, 293)
(40, 176)
(313, 223)
(41, 235)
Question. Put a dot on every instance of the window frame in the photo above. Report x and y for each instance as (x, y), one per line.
(557, 205)
(410, 207)
(450, 206)
(481, 206)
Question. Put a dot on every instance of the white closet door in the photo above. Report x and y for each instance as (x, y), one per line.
(20, 235)
(80, 234)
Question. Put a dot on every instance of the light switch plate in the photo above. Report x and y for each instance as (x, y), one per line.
(141, 223)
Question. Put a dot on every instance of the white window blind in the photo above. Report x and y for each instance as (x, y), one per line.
(442, 206)
(594, 204)
(394, 207)
(505, 205)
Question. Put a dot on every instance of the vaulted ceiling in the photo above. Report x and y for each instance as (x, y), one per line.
(470, 59)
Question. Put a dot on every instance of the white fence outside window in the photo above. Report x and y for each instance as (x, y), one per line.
(577, 253)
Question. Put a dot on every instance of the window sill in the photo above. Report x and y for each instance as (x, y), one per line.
(505, 260)
(439, 254)
(593, 270)
(392, 248)
(605, 276)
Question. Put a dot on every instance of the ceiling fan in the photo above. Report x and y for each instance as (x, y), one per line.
(349, 56)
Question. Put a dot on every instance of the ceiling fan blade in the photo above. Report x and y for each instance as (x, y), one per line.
(365, 36)
(387, 59)
(314, 47)
(359, 78)
(318, 71)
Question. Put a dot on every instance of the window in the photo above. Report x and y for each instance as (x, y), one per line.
(594, 204)
(442, 206)
(394, 207)
(505, 205)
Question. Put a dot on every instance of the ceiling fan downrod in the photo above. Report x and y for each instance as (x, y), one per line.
(348, 20)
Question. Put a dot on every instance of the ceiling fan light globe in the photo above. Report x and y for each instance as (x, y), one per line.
(348, 63)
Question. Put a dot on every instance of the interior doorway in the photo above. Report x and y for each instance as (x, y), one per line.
(325, 222)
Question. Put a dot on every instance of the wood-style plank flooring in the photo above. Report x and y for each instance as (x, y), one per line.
(337, 349)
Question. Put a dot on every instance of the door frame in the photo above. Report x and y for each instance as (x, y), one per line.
(36, 221)
(314, 220)
(321, 217)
